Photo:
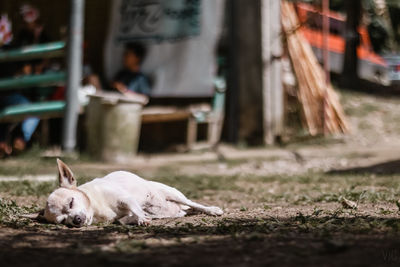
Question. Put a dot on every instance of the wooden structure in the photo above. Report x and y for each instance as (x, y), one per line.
(212, 115)
(45, 109)
(74, 74)
(322, 111)
(273, 106)
(255, 95)
(49, 50)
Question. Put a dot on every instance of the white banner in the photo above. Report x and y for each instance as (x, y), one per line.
(180, 36)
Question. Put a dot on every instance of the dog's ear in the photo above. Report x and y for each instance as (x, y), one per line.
(65, 175)
(38, 216)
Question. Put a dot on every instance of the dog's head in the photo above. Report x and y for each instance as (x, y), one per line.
(68, 205)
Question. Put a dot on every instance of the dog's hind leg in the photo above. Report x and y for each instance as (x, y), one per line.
(176, 196)
(136, 213)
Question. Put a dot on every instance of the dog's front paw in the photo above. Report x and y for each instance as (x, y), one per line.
(215, 211)
(145, 221)
(133, 219)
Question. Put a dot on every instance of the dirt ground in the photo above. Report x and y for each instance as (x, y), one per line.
(283, 206)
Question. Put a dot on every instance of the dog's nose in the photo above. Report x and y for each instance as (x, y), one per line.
(77, 220)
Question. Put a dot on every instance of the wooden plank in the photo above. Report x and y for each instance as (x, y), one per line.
(191, 134)
(164, 114)
(315, 95)
(150, 118)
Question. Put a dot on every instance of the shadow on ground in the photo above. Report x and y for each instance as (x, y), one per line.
(371, 88)
(301, 240)
(388, 167)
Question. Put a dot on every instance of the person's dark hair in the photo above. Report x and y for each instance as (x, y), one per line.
(138, 49)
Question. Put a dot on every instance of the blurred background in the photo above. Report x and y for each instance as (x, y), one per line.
(214, 70)
(283, 113)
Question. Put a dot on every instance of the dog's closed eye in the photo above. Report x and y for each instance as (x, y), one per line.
(71, 203)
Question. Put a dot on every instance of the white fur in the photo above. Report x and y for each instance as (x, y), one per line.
(121, 196)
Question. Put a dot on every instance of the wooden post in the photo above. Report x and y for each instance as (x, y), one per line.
(44, 137)
(231, 122)
(191, 134)
(273, 112)
(325, 34)
(325, 27)
(74, 66)
(349, 77)
(244, 99)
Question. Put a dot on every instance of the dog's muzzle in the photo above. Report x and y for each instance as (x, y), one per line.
(78, 220)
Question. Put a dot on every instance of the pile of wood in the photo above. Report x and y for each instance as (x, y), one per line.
(320, 103)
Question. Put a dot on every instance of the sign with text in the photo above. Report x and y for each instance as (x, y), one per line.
(180, 36)
(158, 19)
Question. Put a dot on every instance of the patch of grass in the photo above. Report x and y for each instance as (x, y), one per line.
(363, 110)
(365, 125)
(356, 155)
(318, 223)
(33, 188)
(322, 188)
(385, 211)
(194, 186)
(27, 188)
(27, 167)
(10, 213)
(31, 162)
(234, 162)
(130, 246)
(257, 161)
(307, 140)
(305, 189)
(391, 123)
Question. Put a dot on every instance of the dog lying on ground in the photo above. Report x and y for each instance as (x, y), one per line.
(119, 196)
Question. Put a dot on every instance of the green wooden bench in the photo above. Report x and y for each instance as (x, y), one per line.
(213, 115)
(49, 50)
(43, 110)
(40, 80)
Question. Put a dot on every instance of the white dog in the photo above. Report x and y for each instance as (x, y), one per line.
(120, 195)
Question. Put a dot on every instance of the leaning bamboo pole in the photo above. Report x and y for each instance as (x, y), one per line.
(315, 95)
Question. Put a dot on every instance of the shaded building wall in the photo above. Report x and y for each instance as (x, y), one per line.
(97, 15)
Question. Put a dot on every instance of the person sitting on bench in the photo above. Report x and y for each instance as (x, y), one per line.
(24, 131)
(131, 81)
